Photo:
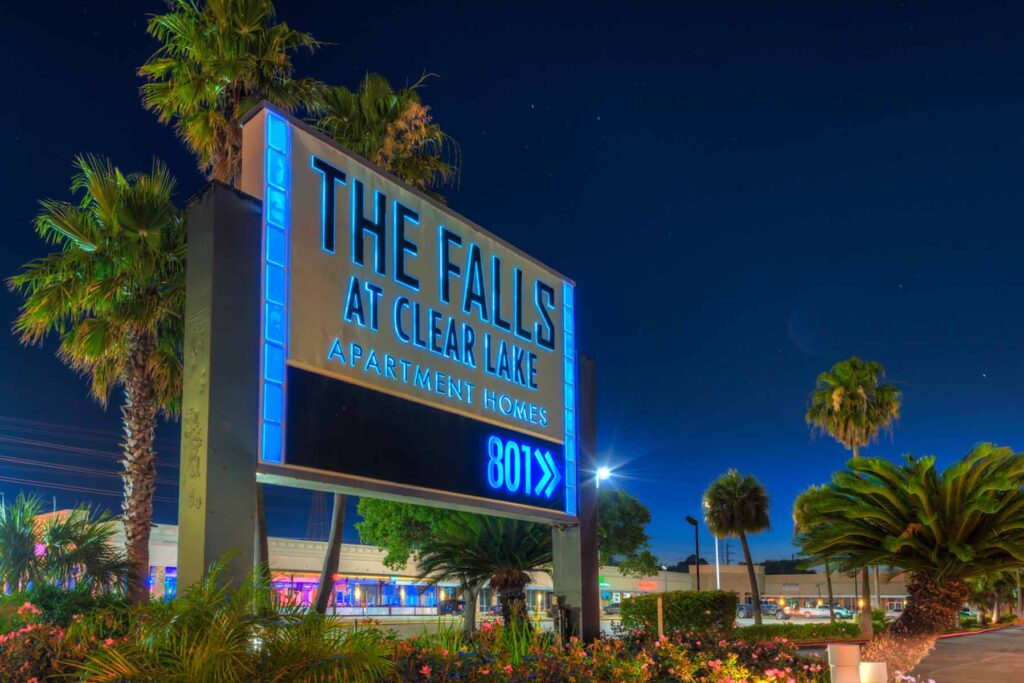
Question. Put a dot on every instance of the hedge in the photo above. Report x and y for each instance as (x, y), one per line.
(839, 630)
(682, 610)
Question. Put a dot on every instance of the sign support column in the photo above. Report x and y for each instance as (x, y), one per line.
(220, 401)
(576, 566)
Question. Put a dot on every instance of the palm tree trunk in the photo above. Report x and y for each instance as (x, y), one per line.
(469, 596)
(866, 627)
(333, 556)
(753, 579)
(831, 600)
(262, 545)
(138, 416)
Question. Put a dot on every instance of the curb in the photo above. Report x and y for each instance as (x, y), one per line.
(959, 634)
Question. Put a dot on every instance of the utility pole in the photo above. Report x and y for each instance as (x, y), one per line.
(696, 544)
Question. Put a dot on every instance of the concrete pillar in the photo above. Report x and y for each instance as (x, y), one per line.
(220, 401)
(159, 576)
(575, 567)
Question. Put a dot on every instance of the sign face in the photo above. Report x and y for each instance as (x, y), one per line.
(401, 343)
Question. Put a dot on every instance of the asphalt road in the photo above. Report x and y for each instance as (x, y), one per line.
(991, 657)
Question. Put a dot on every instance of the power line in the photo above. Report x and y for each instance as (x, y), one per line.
(76, 450)
(91, 471)
(76, 489)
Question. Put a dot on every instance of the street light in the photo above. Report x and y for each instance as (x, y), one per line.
(602, 474)
(696, 545)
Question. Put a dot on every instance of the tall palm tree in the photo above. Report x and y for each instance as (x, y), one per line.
(476, 549)
(114, 293)
(736, 505)
(801, 519)
(850, 404)
(78, 549)
(392, 128)
(943, 527)
(217, 60)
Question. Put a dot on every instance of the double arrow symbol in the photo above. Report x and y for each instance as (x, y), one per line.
(551, 476)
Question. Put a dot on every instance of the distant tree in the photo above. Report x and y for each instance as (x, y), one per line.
(736, 505)
(850, 404)
(114, 293)
(78, 548)
(775, 567)
(621, 533)
(217, 60)
(683, 566)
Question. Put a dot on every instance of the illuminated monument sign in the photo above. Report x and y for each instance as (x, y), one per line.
(404, 350)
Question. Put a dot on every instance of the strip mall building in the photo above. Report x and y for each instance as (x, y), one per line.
(365, 587)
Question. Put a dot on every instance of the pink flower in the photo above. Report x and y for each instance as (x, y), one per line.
(484, 671)
(487, 626)
(508, 669)
(28, 608)
(425, 671)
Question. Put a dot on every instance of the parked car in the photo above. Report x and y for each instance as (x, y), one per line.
(767, 609)
(843, 612)
(809, 612)
(894, 613)
(614, 608)
(496, 609)
(451, 607)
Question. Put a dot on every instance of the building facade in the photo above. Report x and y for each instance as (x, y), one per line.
(365, 587)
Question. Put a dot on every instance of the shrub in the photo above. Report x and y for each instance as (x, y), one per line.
(681, 611)
(839, 630)
(1007, 618)
(968, 622)
(878, 622)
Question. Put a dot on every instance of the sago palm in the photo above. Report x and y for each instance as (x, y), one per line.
(391, 128)
(736, 505)
(943, 527)
(217, 60)
(476, 549)
(850, 404)
(114, 294)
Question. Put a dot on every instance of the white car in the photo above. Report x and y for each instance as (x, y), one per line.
(809, 612)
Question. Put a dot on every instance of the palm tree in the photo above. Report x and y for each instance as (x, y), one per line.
(114, 294)
(851, 405)
(391, 128)
(77, 549)
(476, 549)
(800, 521)
(217, 60)
(943, 527)
(735, 505)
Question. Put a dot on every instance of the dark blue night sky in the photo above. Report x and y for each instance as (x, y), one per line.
(743, 195)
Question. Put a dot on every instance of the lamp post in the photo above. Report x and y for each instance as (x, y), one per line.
(602, 474)
(696, 546)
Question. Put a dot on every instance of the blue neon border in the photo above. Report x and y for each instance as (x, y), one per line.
(571, 395)
(274, 286)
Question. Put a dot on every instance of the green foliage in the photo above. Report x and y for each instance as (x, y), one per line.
(839, 630)
(960, 523)
(391, 128)
(968, 621)
(622, 535)
(78, 548)
(57, 606)
(681, 610)
(217, 60)
(398, 529)
(850, 405)
(878, 622)
(217, 633)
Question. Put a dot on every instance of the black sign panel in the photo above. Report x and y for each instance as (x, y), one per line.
(345, 428)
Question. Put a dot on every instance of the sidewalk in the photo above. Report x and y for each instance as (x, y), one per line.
(991, 657)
